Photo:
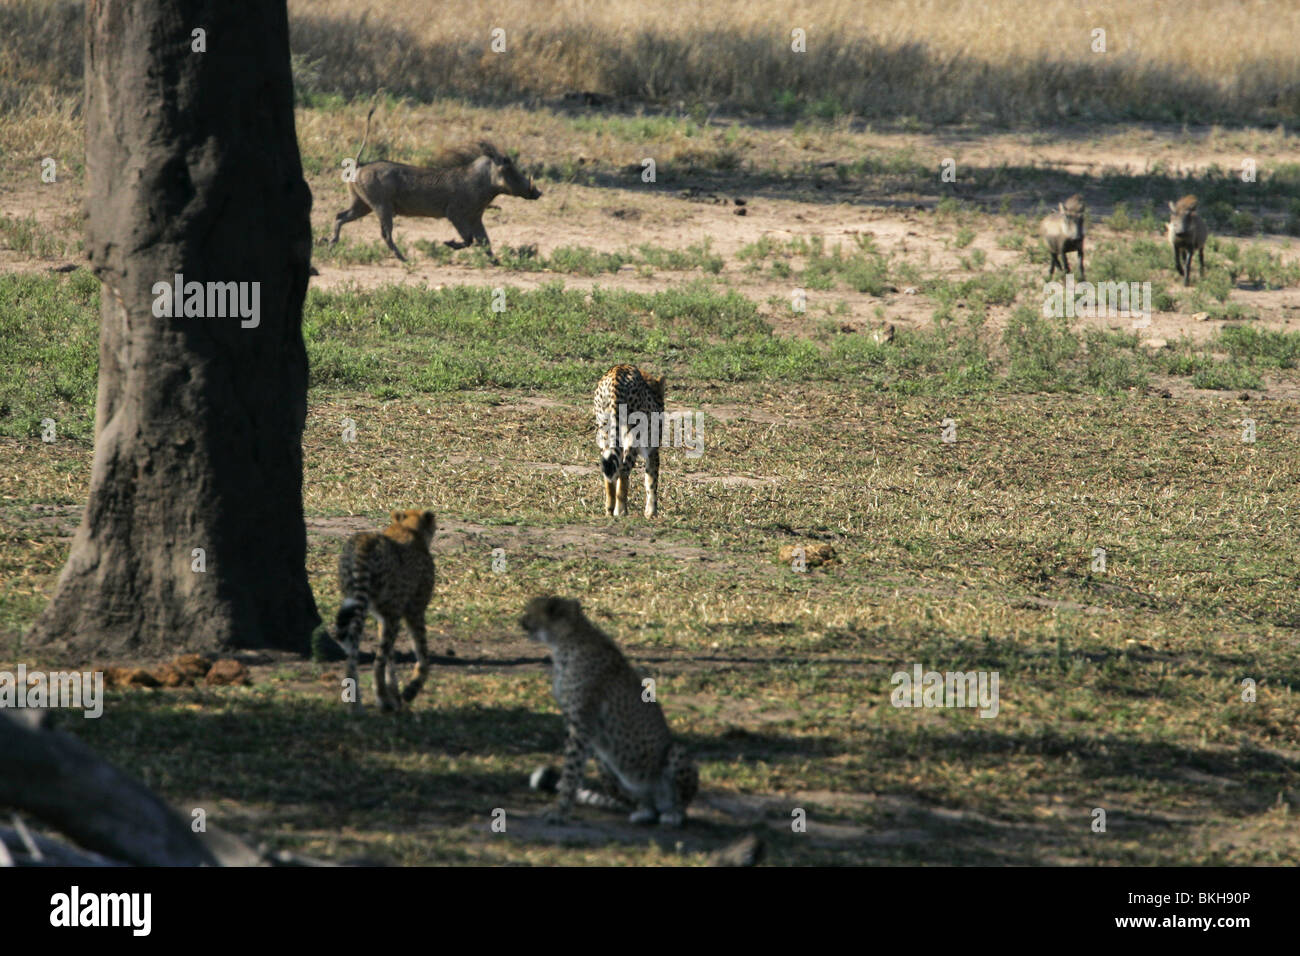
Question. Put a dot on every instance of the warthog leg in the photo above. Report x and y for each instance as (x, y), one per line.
(465, 226)
(358, 209)
(1081, 276)
(385, 215)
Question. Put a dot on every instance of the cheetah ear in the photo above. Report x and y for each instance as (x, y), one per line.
(1173, 208)
(398, 515)
(1060, 207)
(657, 385)
(430, 521)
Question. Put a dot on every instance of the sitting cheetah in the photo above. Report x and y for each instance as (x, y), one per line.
(629, 409)
(389, 575)
(601, 697)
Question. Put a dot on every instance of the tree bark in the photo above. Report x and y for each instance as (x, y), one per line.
(192, 168)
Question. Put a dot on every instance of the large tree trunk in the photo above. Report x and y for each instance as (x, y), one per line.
(192, 168)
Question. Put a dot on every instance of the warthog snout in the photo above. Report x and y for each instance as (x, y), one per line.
(509, 180)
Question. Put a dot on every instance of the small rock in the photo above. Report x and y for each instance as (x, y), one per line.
(128, 677)
(191, 667)
(738, 201)
(741, 211)
(909, 290)
(228, 673)
(449, 652)
(1154, 344)
(66, 267)
(1201, 316)
(814, 553)
(1244, 397)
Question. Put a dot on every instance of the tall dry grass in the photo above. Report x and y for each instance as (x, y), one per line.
(1009, 60)
(936, 61)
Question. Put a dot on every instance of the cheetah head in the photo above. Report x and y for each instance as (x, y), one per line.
(545, 617)
(422, 523)
(656, 386)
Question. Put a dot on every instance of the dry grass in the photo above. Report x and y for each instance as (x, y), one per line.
(1009, 60)
(936, 61)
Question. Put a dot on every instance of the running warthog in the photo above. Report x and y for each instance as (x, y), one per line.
(1063, 233)
(1187, 234)
(459, 186)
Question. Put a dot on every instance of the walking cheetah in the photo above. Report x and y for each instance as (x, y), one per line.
(629, 408)
(600, 694)
(391, 576)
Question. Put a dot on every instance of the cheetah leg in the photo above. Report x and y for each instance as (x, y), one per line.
(416, 623)
(384, 695)
(575, 758)
(355, 686)
(624, 477)
(651, 482)
(677, 788)
(608, 792)
(394, 689)
(620, 495)
(609, 497)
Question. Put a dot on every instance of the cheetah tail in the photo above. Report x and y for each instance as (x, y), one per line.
(351, 620)
(610, 464)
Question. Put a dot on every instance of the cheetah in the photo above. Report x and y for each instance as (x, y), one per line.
(607, 716)
(391, 576)
(629, 406)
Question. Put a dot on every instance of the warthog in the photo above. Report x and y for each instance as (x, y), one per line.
(1187, 233)
(1063, 233)
(459, 186)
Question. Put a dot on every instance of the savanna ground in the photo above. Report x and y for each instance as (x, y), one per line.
(1120, 689)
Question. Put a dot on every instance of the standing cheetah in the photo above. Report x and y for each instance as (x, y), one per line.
(389, 575)
(629, 408)
(608, 718)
